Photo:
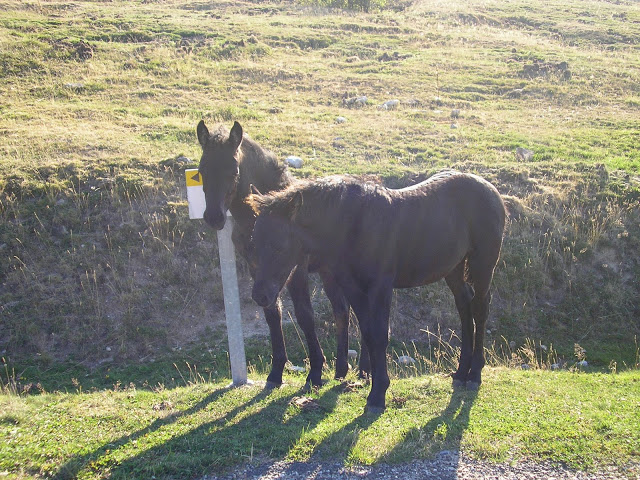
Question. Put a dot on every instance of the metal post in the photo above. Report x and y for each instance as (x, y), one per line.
(232, 304)
(197, 206)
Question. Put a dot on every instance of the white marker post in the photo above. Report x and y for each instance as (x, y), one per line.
(197, 205)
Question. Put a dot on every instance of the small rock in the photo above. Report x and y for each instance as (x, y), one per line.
(183, 159)
(341, 120)
(583, 363)
(74, 86)
(339, 143)
(448, 456)
(355, 101)
(275, 110)
(295, 368)
(488, 332)
(164, 405)
(454, 126)
(361, 101)
(455, 113)
(524, 366)
(406, 360)
(293, 161)
(555, 366)
(304, 403)
(512, 345)
(543, 347)
(108, 349)
(352, 354)
(353, 386)
(524, 154)
(389, 105)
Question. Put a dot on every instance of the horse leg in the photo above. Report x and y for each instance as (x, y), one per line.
(364, 365)
(372, 308)
(482, 273)
(298, 287)
(273, 315)
(463, 294)
(340, 308)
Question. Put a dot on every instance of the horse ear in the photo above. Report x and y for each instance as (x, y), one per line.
(235, 136)
(203, 133)
(253, 199)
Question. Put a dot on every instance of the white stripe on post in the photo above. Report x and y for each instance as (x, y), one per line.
(197, 204)
(232, 304)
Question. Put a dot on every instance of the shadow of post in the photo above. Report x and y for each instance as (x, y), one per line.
(72, 467)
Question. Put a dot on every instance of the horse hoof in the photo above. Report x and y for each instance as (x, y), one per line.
(372, 410)
(341, 373)
(458, 385)
(310, 387)
(269, 385)
(473, 386)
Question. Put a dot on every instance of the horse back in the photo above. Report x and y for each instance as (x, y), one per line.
(426, 230)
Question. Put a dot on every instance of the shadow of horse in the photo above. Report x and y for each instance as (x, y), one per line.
(270, 430)
(441, 435)
(273, 426)
(76, 464)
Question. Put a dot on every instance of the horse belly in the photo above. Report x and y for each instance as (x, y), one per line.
(424, 263)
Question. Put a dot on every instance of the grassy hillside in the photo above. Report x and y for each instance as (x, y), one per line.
(100, 264)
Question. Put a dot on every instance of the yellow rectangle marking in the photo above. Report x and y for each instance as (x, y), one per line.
(194, 179)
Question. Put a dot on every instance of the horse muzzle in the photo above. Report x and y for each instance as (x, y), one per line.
(263, 294)
(215, 218)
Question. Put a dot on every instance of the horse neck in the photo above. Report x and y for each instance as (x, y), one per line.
(330, 225)
(260, 169)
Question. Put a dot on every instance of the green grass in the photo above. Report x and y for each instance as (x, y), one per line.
(105, 281)
(584, 421)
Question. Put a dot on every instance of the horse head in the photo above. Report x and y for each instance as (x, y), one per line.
(219, 168)
(277, 243)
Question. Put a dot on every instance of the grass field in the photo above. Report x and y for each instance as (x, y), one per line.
(105, 281)
(584, 421)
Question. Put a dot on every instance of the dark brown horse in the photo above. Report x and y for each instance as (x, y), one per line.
(230, 163)
(376, 239)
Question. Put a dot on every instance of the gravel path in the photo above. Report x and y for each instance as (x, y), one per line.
(446, 466)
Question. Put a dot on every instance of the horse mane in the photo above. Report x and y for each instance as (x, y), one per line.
(279, 202)
(320, 198)
(264, 163)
